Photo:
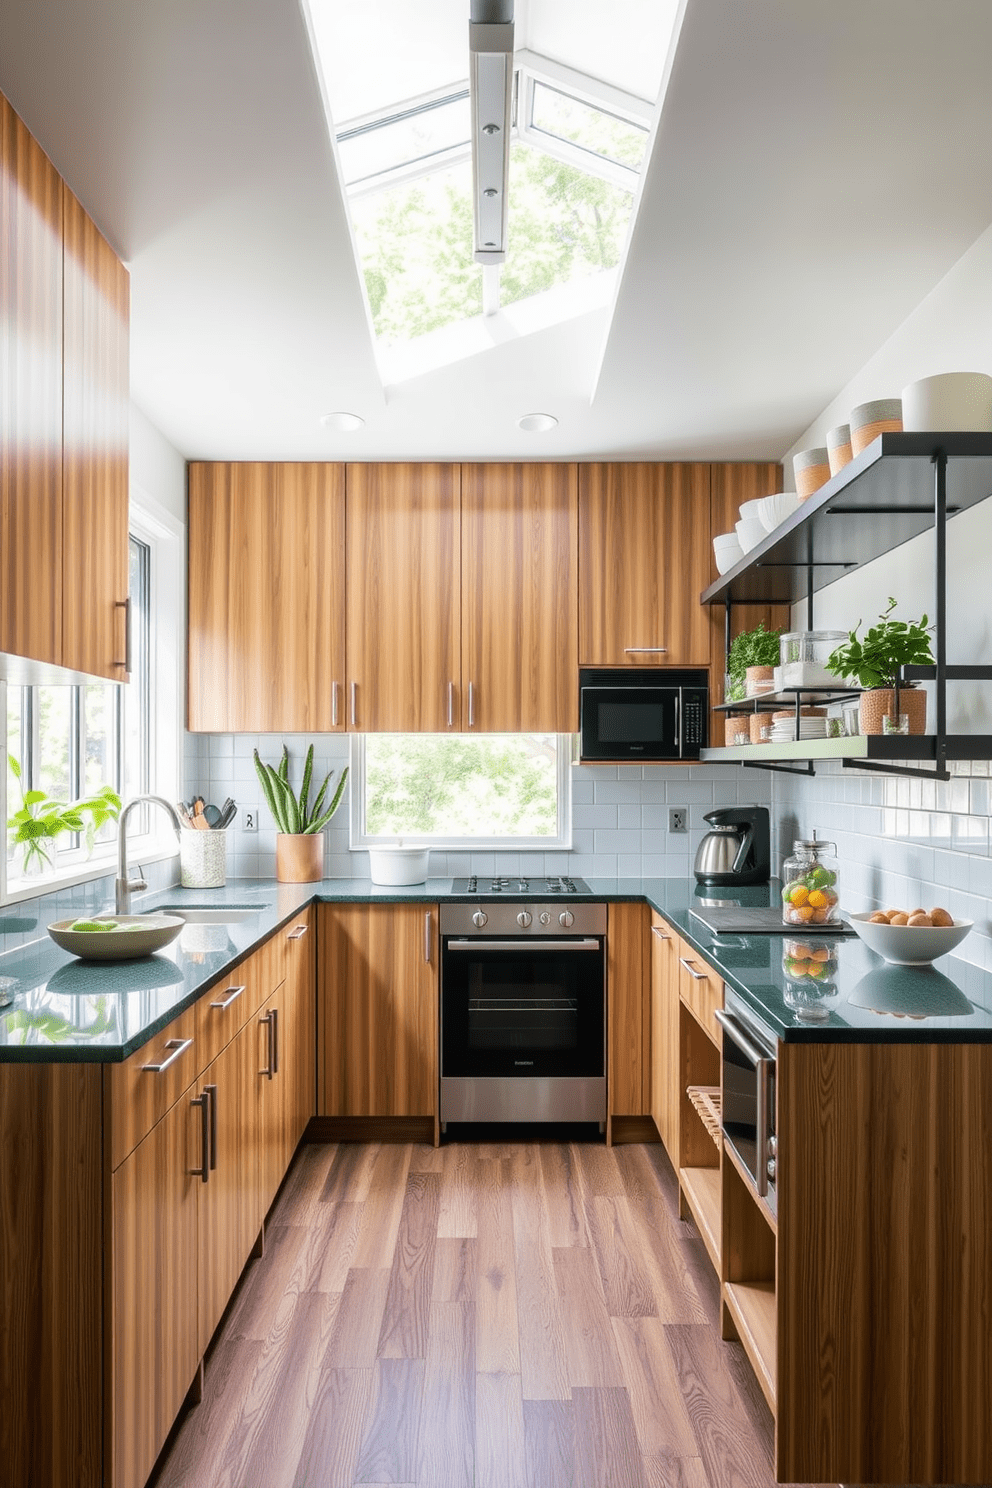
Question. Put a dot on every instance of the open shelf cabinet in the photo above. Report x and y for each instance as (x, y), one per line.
(899, 487)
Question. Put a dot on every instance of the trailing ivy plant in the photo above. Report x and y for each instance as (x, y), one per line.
(42, 819)
(294, 814)
(875, 661)
(757, 647)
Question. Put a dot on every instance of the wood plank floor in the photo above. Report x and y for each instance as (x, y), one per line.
(479, 1316)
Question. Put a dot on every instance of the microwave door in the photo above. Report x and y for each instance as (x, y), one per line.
(633, 723)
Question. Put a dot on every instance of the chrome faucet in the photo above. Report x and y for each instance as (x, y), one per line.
(124, 886)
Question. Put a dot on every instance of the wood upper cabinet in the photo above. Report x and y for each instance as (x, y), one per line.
(665, 1077)
(519, 596)
(266, 597)
(377, 1010)
(96, 392)
(403, 597)
(30, 395)
(644, 558)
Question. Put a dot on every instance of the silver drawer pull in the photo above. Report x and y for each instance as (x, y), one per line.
(298, 933)
(178, 1046)
(428, 937)
(334, 705)
(645, 650)
(660, 933)
(698, 976)
(233, 993)
(203, 1101)
(270, 1049)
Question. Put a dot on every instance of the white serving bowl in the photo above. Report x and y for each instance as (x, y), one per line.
(750, 533)
(150, 934)
(949, 401)
(727, 551)
(774, 510)
(397, 866)
(910, 945)
(749, 510)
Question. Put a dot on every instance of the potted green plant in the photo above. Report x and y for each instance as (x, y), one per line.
(752, 658)
(874, 663)
(300, 839)
(42, 819)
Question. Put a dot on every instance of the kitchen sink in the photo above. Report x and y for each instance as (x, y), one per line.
(211, 914)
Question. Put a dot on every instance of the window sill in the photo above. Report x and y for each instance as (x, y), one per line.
(156, 851)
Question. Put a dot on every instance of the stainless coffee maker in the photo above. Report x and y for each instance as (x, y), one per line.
(737, 850)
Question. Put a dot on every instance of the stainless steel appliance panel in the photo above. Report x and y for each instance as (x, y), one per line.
(509, 1099)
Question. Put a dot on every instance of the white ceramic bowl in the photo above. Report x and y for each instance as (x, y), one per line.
(910, 945)
(775, 509)
(397, 866)
(750, 533)
(727, 551)
(151, 934)
(949, 401)
(749, 510)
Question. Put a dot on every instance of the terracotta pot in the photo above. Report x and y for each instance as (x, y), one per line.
(299, 857)
(812, 470)
(839, 452)
(759, 721)
(881, 700)
(868, 420)
(758, 679)
(736, 730)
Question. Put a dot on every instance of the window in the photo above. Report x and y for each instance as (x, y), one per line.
(509, 791)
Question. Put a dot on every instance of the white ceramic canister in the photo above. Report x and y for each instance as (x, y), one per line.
(950, 401)
(397, 865)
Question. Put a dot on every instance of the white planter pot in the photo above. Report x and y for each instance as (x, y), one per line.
(396, 866)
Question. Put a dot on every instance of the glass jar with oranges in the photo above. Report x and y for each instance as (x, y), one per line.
(810, 878)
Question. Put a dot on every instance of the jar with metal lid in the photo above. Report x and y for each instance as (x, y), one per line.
(810, 884)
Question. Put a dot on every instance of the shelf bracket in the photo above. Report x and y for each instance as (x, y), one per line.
(806, 769)
(882, 768)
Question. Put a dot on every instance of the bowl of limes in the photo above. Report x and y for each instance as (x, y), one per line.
(116, 937)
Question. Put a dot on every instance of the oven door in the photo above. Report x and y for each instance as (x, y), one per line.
(523, 1009)
(630, 723)
(748, 1098)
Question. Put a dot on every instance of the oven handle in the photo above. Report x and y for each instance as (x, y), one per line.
(523, 944)
(763, 1062)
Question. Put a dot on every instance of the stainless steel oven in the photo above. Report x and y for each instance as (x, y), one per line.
(748, 1095)
(523, 1011)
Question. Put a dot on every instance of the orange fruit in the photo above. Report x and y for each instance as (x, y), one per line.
(818, 899)
(802, 914)
(798, 894)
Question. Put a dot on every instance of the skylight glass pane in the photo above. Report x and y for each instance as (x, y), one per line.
(592, 129)
(405, 139)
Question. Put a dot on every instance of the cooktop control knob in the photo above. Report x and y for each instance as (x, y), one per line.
(480, 918)
(545, 917)
(524, 919)
(566, 918)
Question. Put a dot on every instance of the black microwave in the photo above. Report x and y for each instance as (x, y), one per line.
(642, 713)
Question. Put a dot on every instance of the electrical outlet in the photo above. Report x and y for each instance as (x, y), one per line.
(250, 823)
(678, 819)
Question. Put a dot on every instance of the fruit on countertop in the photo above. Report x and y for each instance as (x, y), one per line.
(921, 917)
(88, 925)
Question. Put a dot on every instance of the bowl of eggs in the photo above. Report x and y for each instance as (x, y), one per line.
(910, 937)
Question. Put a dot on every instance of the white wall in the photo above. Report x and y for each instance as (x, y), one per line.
(157, 466)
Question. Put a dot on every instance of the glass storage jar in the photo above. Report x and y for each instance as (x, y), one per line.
(809, 971)
(810, 884)
(804, 655)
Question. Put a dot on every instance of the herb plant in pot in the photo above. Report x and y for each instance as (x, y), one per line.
(300, 839)
(874, 663)
(751, 661)
(41, 820)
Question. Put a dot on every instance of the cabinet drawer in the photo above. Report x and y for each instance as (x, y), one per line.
(141, 1090)
(222, 1012)
(701, 990)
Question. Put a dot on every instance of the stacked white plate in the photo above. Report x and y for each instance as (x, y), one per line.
(809, 728)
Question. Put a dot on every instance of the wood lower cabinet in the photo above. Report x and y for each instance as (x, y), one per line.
(299, 945)
(665, 1075)
(30, 396)
(628, 993)
(403, 598)
(519, 552)
(644, 559)
(377, 1010)
(266, 598)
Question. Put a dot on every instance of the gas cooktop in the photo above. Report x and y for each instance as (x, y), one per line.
(535, 887)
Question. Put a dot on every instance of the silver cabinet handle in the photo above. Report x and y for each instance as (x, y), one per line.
(275, 1041)
(211, 1090)
(451, 704)
(334, 705)
(645, 650)
(269, 1069)
(427, 937)
(698, 976)
(233, 993)
(203, 1171)
(354, 704)
(298, 933)
(522, 945)
(178, 1046)
(125, 605)
(471, 705)
(660, 933)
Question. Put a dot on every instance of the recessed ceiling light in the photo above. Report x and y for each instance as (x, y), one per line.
(344, 423)
(537, 423)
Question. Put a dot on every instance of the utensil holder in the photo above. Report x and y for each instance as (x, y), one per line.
(202, 859)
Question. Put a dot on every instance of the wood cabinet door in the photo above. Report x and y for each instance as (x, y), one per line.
(665, 1083)
(95, 424)
(270, 1098)
(266, 598)
(377, 1010)
(629, 1010)
(222, 1242)
(30, 395)
(153, 1303)
(298, 1036)
(644, 559)
(403, 598)
(519, 598)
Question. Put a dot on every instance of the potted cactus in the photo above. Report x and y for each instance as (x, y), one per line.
(300, 839)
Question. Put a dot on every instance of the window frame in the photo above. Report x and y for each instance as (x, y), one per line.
(359, 837)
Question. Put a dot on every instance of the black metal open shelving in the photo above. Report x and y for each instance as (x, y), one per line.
(899, 487)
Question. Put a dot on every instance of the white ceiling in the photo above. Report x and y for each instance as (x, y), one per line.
(816, 169)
